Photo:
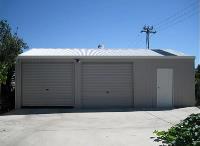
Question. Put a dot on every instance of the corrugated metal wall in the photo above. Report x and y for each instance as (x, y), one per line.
(145, 81)
(144, 73)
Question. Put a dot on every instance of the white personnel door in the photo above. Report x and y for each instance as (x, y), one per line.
(164, 87)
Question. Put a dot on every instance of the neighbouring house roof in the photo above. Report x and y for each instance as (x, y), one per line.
(84, 52)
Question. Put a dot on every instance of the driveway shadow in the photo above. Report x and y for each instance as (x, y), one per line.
(55, 110)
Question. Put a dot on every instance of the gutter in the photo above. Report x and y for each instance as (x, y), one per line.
(106, 57)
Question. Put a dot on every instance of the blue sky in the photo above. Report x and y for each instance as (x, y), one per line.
(115, 23)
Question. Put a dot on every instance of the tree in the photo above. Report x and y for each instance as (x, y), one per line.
(10, 46)
(198, 68)
(197, 84)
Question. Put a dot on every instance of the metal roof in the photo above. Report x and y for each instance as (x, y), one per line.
(85, 52)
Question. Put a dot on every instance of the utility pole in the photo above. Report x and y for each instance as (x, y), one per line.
(148, 30)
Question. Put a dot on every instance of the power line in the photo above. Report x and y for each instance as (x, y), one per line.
(181, 18)
(177, 18)
(179, 13)
(176, 22)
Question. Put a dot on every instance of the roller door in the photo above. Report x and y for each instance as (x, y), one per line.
(47, 84)
(107, 84)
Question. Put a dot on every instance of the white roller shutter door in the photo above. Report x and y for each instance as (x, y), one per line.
(47, 84)
(107, 84)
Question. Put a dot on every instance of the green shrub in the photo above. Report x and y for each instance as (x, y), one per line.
(186, 133)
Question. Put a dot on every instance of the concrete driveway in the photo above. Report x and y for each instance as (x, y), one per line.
(69, 127)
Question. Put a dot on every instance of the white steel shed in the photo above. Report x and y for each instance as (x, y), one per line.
(104, 78)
